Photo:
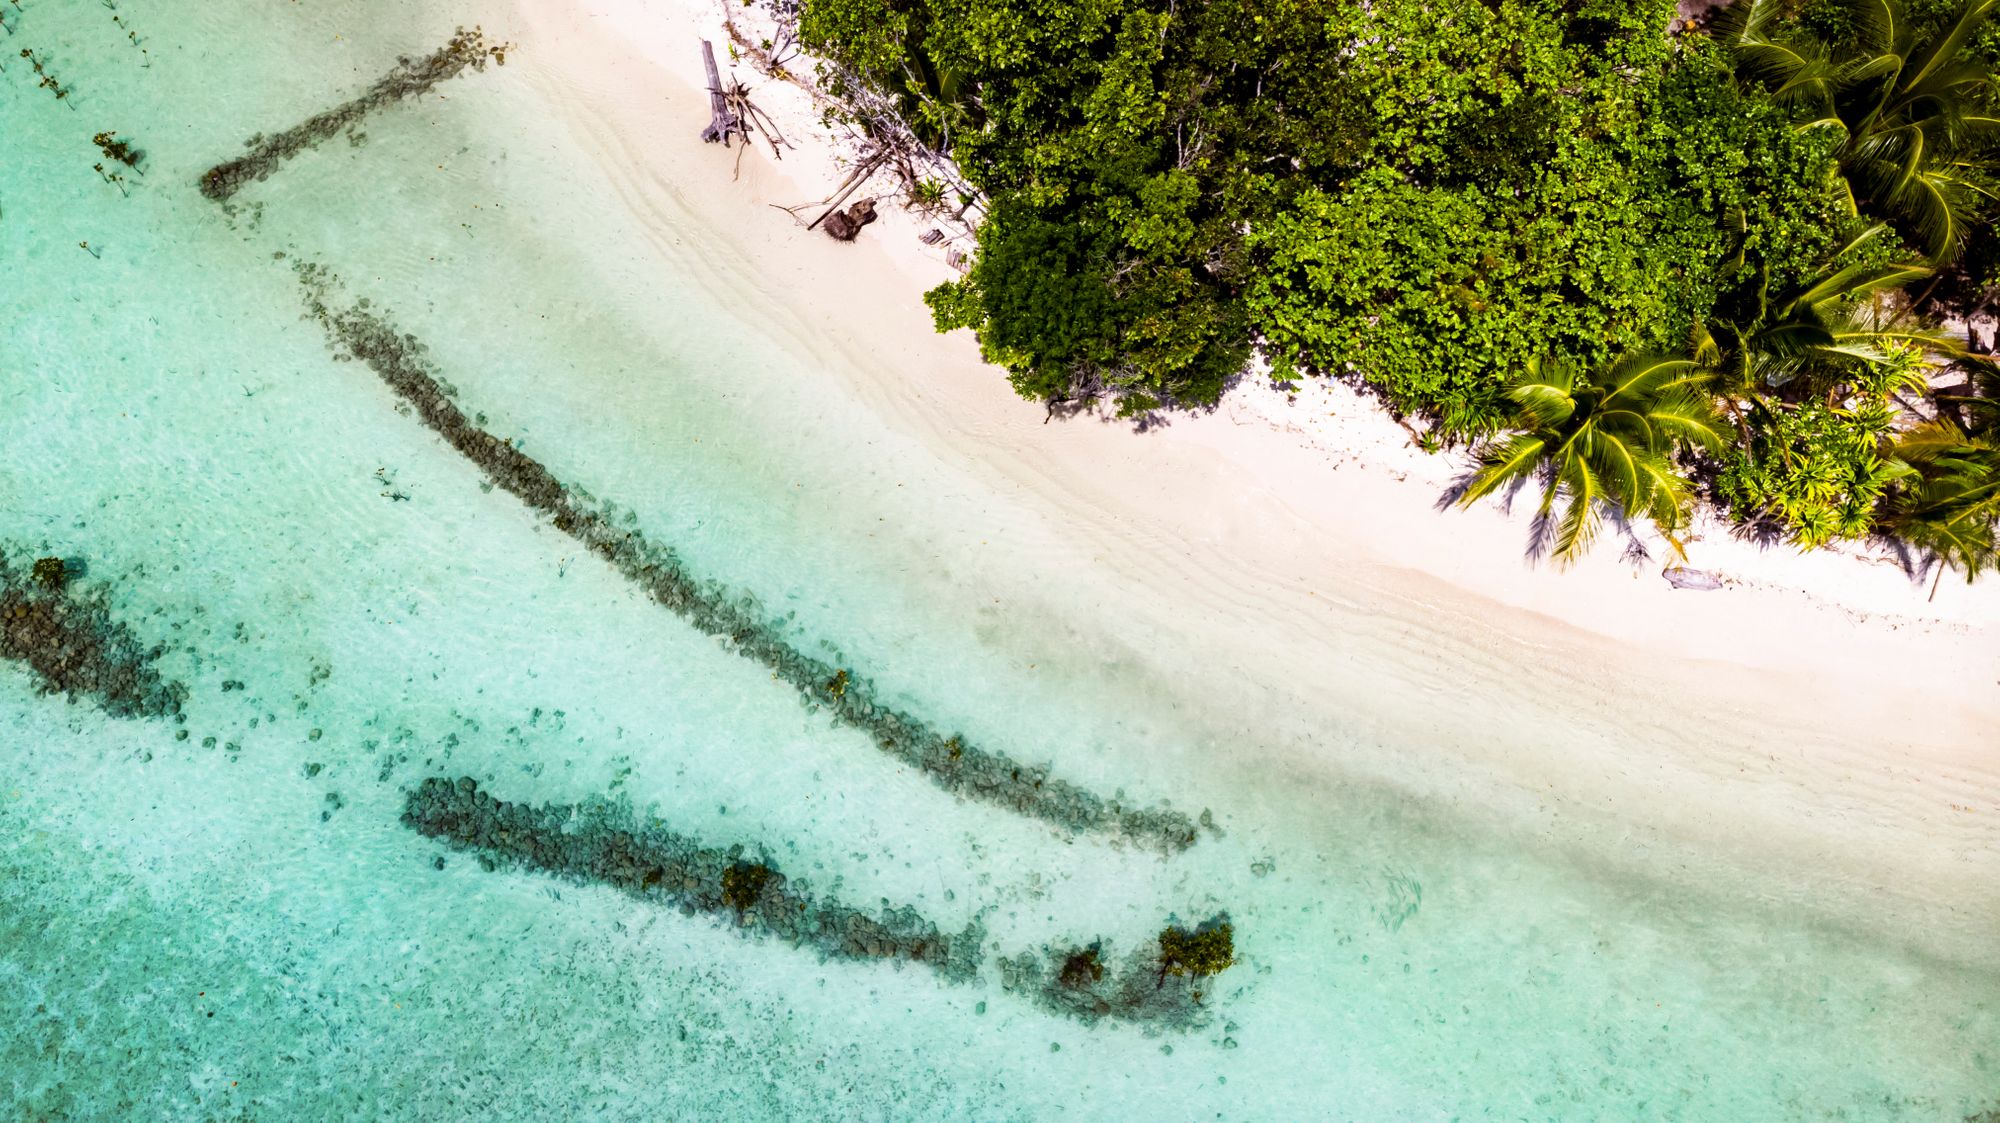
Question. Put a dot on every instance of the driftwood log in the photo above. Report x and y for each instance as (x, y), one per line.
(722, 120)
(731, 111)
(844, 225)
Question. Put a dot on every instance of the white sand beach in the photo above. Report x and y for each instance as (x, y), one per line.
(1819, 711)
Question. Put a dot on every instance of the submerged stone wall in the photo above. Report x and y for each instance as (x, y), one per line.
(948, 760)
(410, 78)
(67, 638)
(599, 842)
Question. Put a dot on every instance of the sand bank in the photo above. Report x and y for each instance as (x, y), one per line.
(1820, 713)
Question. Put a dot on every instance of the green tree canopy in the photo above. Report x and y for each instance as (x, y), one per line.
(1461, 203)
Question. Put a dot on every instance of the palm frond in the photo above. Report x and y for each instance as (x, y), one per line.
(1549, 370)
(1944, 48)
(1785, 339)
(1503, 462)
(1935, 442)
(1544, 405)
(1858, 280)
(1748, 21)
(1664, 496)
(1860, 237)
(1579, 524)
(1880, 22)
(1689, 418)
(1703, 347)
(1637, 376)
(1936, 208)
(1615, 464)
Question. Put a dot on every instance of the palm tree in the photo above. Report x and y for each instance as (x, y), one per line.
(1949, 502)
(1912, 119)
(1600, 442)
(1821, 330)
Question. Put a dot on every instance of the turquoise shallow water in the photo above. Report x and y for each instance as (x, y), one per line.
(243, 928)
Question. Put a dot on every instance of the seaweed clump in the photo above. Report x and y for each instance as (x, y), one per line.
(50, 573)
(1197, 953)
(70, 642)
(598, 842)
(411, 77)
(119, 150)
(1159, 984)
(743, 883)
(947, 760)
(1082, 967)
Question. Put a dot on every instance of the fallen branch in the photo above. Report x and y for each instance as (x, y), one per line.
(854, 180)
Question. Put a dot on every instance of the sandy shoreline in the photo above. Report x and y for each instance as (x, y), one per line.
(1818, 713)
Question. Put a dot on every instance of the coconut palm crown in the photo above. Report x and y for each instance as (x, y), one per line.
(1914, 121)
(1950, 499)
(1818, 330)
(1601, 442)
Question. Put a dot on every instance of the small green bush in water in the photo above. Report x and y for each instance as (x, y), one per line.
(1207, 950)
(51, 573)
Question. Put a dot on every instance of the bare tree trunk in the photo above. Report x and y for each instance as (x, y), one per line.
(722, 122)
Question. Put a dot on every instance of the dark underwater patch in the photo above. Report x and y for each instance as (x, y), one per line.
(65, 634)
(602, 843)
(947, 759)
(411, 77)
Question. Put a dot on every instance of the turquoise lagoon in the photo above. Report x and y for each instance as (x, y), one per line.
(237, 925)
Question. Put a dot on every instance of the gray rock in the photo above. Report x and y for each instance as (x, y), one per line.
(1680, 577)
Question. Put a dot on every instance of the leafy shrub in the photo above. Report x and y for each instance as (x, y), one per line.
(1820, 469)
(1813, 470)
(1609, 221)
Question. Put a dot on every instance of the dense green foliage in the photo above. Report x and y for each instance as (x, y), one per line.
(1902, 105)
(1814, 471)
(1596, 204)
(1458, 201)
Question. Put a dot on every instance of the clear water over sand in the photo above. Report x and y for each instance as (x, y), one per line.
(236, 924)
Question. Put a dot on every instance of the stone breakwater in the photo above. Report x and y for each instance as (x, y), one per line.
(948, 760)
(411, 77)
(599, 842)
(70, 642)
